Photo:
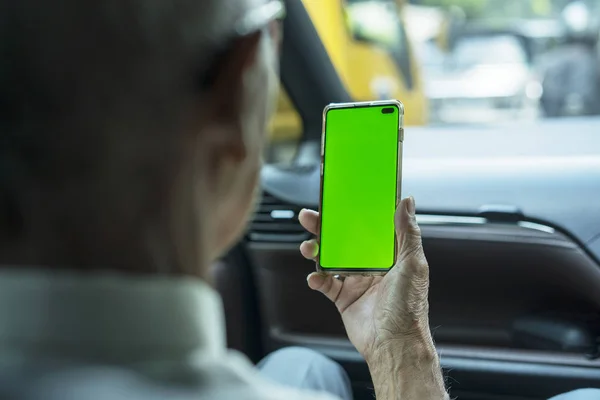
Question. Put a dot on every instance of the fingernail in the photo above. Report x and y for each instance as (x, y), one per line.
(316, 249)
(410, 206)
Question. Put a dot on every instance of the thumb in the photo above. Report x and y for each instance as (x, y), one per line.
(408, 232)
(411, 265)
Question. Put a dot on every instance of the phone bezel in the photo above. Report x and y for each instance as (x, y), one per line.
(379, 103)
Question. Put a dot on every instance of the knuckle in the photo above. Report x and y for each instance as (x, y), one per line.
(326, 286)
(412, 247)
(414, 228)
(413, 262)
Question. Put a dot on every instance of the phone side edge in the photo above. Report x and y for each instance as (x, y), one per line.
(398, 188)
(326, 109)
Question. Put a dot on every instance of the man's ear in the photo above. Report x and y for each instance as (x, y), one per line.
(223, 102)
(225, 93)
(224, 96)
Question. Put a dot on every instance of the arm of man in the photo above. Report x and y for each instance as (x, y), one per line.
(387, 318)
(408, 370)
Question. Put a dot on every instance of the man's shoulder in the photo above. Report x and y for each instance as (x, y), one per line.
(226, 377)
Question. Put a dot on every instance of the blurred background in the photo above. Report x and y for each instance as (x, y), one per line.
(458, 62)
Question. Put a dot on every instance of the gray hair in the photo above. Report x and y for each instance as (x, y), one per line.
(84, 83)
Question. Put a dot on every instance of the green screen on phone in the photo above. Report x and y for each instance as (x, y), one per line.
(360, 168)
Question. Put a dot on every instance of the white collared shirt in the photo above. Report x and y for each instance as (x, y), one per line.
(68, 335)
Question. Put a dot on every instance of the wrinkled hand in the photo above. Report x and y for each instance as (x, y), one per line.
(380, 312)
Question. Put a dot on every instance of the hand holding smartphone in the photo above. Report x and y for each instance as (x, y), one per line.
(384, 316)
(361, 174)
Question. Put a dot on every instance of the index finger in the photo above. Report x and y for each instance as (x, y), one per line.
(309, 219)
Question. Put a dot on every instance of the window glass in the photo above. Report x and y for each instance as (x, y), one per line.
(285, 131)
(488, 61)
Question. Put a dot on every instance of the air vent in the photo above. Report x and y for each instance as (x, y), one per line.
(298, 169)
(276, 222)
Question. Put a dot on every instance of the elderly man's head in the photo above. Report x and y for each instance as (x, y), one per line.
(131, 130)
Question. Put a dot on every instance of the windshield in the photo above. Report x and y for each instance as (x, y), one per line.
(460, 61)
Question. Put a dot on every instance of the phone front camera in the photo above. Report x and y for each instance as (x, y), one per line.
(387, 110)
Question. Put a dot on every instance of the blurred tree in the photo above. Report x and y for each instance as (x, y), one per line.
(472, 8)
(500, 8)
(542, 8)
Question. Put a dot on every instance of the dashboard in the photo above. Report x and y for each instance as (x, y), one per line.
(546, 173)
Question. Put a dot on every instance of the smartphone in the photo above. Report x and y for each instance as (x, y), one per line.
(361, 175)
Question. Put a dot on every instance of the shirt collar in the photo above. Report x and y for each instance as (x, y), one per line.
(107, 317)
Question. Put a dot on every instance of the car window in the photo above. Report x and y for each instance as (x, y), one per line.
(380, 21)
(496, 61)
(370, 48)
(285, 131)
(458, 62)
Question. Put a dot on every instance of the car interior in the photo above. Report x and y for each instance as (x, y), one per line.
(510, 218)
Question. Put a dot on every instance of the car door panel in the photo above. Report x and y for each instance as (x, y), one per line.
(482, 279)
(486, 276)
